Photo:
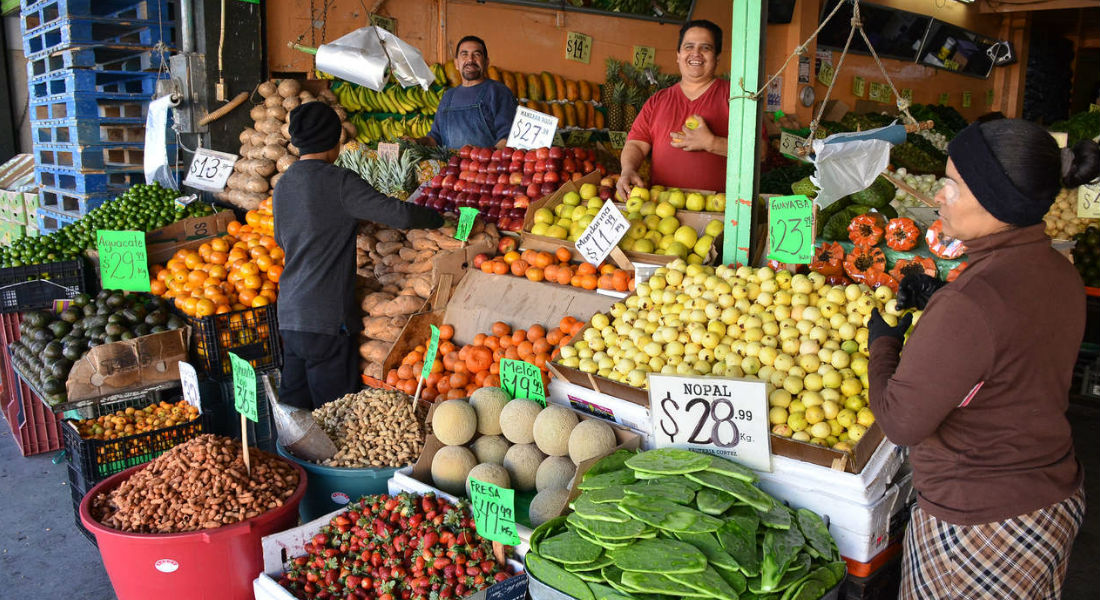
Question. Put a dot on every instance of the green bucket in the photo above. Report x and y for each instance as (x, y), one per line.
(332, 488)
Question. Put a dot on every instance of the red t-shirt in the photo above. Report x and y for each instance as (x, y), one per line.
(666, 112)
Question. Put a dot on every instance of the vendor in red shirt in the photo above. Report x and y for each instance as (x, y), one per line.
(682, 156)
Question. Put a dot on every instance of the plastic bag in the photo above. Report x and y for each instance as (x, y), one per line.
(298, 431)
(849, 162)
(367, 55)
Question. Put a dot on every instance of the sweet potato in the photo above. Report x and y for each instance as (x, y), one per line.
(385, 248)
(273, 101)
(386, 329)
(291, 103)
(389, 235)
(289, 88)
(275, 138)
(277, 112)
(267, 89)
(283, 162)
(246, 135)
(374, 351)
(373, 300)
(400, 305)
(255, 184)
(416, 267)
(422, 286)
(262, 167)
(275, 179)
(273, 152)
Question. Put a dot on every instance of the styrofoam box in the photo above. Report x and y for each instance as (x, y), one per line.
(864, 487)
(281, 546)
(403, 481)
(616, 410)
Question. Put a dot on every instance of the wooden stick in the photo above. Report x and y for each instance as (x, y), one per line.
(416, 396)
(244, 444)
(498, 553)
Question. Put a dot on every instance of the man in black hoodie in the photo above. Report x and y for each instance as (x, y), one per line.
(317, 208)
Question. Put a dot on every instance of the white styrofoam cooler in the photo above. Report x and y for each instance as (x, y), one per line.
(864, 487)
(610, 408)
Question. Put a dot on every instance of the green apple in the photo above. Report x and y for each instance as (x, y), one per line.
(642, 245)
(589, 190)
(657, 189)
(649, 208)
(676, 249)
(652, 221)
(654, 236)
(677, 199)
(666, 241)
(640, 192)
(558, 232)
(636, 231)
(668, 225)
(686, 235)
(714, 228)
(703, 245)
(634, 204)
(695, 202)
(539, 228)
(571, 199)
(664, 209)
(544, 216)
(595, 202)
(716, 202)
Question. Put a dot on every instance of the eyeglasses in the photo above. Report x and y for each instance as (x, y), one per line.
(950, 191)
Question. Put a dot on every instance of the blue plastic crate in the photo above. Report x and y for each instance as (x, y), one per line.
(101, 58)
(79, 81)
(36, 13)
(76, 184)
(72, 204)
(89, 131)
(93, 158)
(50, 221)
(68, 31)
(90, 105)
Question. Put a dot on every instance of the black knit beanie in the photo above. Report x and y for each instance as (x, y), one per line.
(314, 127)
(988, 180)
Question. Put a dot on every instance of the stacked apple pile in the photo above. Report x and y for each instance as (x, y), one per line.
(502, 182)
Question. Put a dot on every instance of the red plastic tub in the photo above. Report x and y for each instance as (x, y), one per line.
(212, 564)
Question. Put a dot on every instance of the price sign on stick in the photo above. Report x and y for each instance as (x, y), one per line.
(244, 387)
(494, 512)
(123, 261)
(578, 137)
(602, 234)
(190, 382)
(643, 56)
(791, 229)
(578, 47)
(1088, 201)
(532, 129)
(466, 216)
(429, 356)
(726, 417)
(210, 170)
(521, 379)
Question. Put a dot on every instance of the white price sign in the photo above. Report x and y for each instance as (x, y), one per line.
(532, 129)
(1088, 201)
(210, 170)
(602, 234)
(725, 417)
(789, 144)
(190, 381)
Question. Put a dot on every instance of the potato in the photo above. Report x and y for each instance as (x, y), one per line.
(277, 112)
(284, 162)
(292, 149)
(401, 305)
(373, 300)
(306, 96)
(262, 167)
(257, 185)
(275, 179)
(273, 152)
(374, 351)
(389, 235)
(258, 138)
(291, 103)
(386, 329)
(289, 88)
(275, 138)
(258, 113)
(273, 101)
(285, 130)
(416, 267)
(242, 165)
(267, 89)
(386, 248)
(246, 135)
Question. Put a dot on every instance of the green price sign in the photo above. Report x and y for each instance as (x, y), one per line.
(578, 47)
(386, 23)
(858, 86)
(791, 229)
(558, 140)
(429, 356)
(466, 216)
(618, 139)
(578, 137)
(521, 379)
(1092, 107)
(244, 387)
(968, 99)
(826, 73)
(643, 56)
(494, 512)
(123, 263)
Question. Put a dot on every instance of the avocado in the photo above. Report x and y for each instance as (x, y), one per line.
(89, 309)
(142, 329)
(36, 318)
(60, 328)
(60, 368)
(110, 339)
(77, 331)
(158, 329)
(74, 351)
(55, 399)
(115, 300)
(157, 317)
(127, 335)
(114, 329)
(102, 310)
(43, 334)
(52, 385)
(94, 342)
(81, 300)
(71, 315)
(174, 322)
(102, 296)
(52, 350)
(95, 333)
(94, 322)
(116, 318)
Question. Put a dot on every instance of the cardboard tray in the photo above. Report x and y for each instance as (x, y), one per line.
(279, 547)
(804, 451)
(188, 234)
(123, 366)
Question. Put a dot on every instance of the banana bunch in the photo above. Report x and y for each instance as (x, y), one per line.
(438, 71)
(372, 128)
(392, 99)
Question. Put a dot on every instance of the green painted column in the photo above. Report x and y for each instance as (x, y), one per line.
(747, 34)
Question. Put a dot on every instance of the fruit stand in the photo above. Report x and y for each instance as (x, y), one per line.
(537, 417)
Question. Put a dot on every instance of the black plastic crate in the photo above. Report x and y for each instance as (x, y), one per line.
(96, 460)
(31, 287)
(252, 334)
(78, 488)
(227, 421)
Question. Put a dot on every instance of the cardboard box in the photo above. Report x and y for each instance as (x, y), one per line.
(282, 546)
(188, 234)
(130, 364)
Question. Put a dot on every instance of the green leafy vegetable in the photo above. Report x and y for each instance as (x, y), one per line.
(780, 548)
(669, 461)
(569, 548)
(660, 556)
(747, 493)
(557, 577)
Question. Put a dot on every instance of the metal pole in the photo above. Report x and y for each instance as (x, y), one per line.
(747, 35)
(187, 26)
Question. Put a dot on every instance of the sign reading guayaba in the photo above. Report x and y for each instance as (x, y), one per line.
(722, 416)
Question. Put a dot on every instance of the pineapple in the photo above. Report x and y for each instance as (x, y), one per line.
(633, 103)
(614, 68)
(615, 107)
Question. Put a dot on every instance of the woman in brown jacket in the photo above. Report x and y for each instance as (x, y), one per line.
(980, 392)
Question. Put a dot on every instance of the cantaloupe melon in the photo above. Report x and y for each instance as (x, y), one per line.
(547, 504)
(489, 473)
(554, 472)
(488, 402)
(454, 422)
(590, 439)
(552, 429)
(490, 449)
(450, 467)
(517, 420)
(522, 463)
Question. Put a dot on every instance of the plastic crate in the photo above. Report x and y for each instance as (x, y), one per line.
(70, 189)
(91, 158)
(37, 13)
(227, 421)
(31, 287)
(35, 428)
(252, 334)
(49, 221)
(97, 460)
(87, 105)
(89, 131)
(65, 32)
(78, 488)
(100, 58)
(80, 81)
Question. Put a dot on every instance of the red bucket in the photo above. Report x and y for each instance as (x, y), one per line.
(212, 564)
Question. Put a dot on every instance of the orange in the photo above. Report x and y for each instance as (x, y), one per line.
(218, 257)
(499, 267)
(543, 259)
(252, 281)
(257, 251)
(536, 332)
(196, 278)
(188, 305)
(268, 242)
(233, 228)
(249, 268)
(487, 266)
(274, 272)
(222, 309)
(500, 328)
(263, 262)
(565, 275)
(204, 308)
(205, 250)
(586, 269)
(259, 301)
(534, 274)
(164, 275)
(270, 294)
(246, 296)
(277, 253)
(193, 260)
(621, 281)
(588, 282)
(217, 271)
(511, 257)
(528, 255)
(446, 332)
(157, 287)
(219, 245)
(563, 254)
(519, 267)
(180, 277)
(176, 264)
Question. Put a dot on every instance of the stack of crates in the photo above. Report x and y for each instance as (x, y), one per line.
(92, 67)
(18, 202)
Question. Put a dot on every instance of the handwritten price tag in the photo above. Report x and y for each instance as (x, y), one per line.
(494, 512)
(578, 137)
(791, 229)
(522, 380)
(618, 139)
(880, 92)
(826, 74)
(944, 97)
(123, 262)
(1088, 201)
(429, 356)
(602, 234)
(858, 86)
(968, 99)
(210, 170)
(189, 380)
(389, 151)
(532, 129)
(578, 47)
(244, 388)
(789, 144)
(466, 216)
(643, 56)
(386, 23)
(726, 417)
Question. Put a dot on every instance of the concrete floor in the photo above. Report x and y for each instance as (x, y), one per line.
(43, 555)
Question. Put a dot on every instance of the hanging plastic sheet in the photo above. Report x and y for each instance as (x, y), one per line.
(849, 162)
(156, 149)
(368, 55)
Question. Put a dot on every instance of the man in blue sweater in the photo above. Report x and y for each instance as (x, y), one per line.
(480, 111)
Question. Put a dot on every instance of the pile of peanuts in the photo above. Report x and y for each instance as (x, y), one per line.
(373, 428)
(200, 484)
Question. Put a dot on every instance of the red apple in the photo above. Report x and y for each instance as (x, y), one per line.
(451, 171)
(513, 225)
(553, 164)
(578, 153)
(606, 192)
(515, 178)
(540, 166)
(454, 161)
(498, 189)
(464, 164)
(515, 166)
(531, 156)
(521, 201)
(518, 155)
(527, 179)
(529, 167)
(588, 167)
(568, 165)
(492, 167)
(448, 182)
(507, 204)
(485, 154)
(552, 177)
(547, 189)
(480, 258)
(437, 181)
(502, 178)
(538, 178)
(496, 155)
(556, 152)
(575, 177)
(506, 153)
(507, 244)
(591, 154)
(465, 151)
(533, 191)
(543, 153)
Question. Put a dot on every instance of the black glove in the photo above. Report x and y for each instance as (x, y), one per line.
(916, 289)
(877, 327)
